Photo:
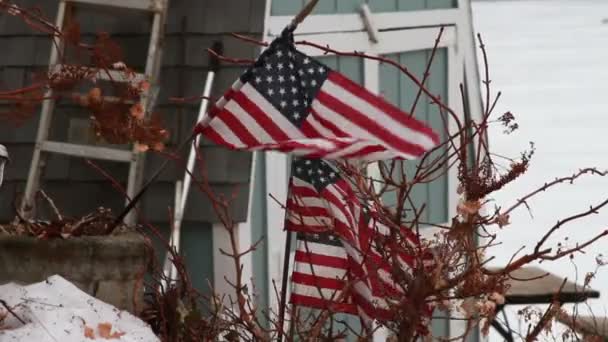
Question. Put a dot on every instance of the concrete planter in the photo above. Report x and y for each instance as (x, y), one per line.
(110, 268)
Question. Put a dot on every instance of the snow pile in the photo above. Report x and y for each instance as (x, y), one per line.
(56, 310)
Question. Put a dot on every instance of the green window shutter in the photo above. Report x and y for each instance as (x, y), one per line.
(196, 251)
(286, 7)
(410, 5)
(401, 91)
(440, 326)
(291, 7)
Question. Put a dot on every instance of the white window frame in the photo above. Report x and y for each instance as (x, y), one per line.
(347, 32)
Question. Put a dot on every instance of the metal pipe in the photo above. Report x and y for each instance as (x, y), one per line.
(180, 206)
(3, 160)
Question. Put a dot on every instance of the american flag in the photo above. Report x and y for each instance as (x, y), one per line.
(341, 260)
(290, 102)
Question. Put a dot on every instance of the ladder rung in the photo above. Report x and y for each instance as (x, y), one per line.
(85, 151)
(143, 5)
(106, 75)
(106, 98)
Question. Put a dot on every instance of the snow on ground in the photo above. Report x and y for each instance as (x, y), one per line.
(550, 60)
(56, 310)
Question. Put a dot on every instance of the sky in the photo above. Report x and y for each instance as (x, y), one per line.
(550, 61)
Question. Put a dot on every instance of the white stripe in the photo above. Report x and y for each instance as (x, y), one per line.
(384, 155)
(388, 280)
(318, 143)
(279, 119)
(318, 126)
(377, 115)
(299, 182)
(345, 125)
(220, 127)
(321, 248)
(221, 102)
(365, 292)
(339, 215)
(366, 319)
(307, 201)
(309, 220)
(250, 124)
(320, 271)
(357, 146)
(316, 292)
(353, 253)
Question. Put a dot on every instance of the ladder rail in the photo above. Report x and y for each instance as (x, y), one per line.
(153, 68)
(44, 147)
(44, 125)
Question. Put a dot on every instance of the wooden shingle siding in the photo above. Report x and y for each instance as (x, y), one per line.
(291, 7)
(192, 27)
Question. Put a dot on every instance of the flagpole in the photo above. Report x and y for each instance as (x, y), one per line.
(285, 277)
(287, 252)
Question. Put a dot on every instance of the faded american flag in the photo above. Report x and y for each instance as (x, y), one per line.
(341, 260)
(288, 101)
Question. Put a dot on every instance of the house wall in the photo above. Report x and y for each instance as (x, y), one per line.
(192, 26)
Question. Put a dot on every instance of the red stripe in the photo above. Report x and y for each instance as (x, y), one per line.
(262, 118)
(294, 227)
(318, 303)
(329, 125)
(308, 258)
(308, 130)
(364, 151)
(300, 209)
(364, 304)
(376, 101)
(364, 122)
(316, 281)
(303, 191)
(237, 127)
(212, 135)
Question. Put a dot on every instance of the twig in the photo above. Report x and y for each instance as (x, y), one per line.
(8, 308)
(52, 204)
(427, 70)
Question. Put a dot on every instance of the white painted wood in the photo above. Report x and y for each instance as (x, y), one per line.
(389, 42)
(276, 185)
(223, 266)
(245, 235)
(371, 78)
(316, 24)
(457, 327)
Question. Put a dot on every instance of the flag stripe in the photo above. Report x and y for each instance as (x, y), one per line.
(321, 260)
(262, 122)
(376, 101)
(319, 303)
(280, 120)
(336, 110)
(233, 135)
